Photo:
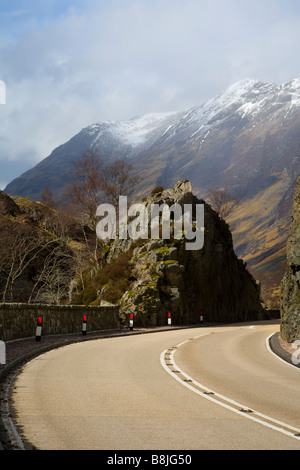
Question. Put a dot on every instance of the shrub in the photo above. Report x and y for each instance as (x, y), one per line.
(157, 190)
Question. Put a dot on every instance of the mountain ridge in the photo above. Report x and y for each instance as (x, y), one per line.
(245, 140)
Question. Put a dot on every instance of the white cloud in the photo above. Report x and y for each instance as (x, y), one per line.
(118, 59)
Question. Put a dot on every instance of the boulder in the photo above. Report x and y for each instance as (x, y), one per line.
(7, 205)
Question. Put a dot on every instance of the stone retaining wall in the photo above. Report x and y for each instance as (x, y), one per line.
(20, 320)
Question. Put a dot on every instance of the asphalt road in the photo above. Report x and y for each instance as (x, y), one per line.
(193, 389)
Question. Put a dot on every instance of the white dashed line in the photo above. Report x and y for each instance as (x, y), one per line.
(170, 366)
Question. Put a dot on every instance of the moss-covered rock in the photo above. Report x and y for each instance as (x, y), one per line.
(167, 277)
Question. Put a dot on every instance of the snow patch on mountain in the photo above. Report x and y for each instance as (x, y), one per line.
(133, 132)
(248, 98)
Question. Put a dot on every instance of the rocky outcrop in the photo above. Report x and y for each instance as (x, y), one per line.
(166, 277)
(290, 286)
(7, 206)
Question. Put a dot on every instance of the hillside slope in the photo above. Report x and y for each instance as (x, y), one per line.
(245, 140)
(39, 252)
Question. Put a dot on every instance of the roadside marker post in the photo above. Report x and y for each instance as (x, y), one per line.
(2, 353)
(39, 326)
(84, 324)
(131, 321)
(169, 319)
(201, 316)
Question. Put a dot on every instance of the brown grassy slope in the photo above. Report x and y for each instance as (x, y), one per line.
(260, 235)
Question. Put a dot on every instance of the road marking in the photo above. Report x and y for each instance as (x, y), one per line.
(169, 364)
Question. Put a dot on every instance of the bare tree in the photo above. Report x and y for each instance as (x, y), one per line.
(33, 266)
(52, 283)
(24, 249)
(84, 190)
(80, 266)
(47, 197)
(93, 183)
(118, 180)
(221, 201)
(84, 195)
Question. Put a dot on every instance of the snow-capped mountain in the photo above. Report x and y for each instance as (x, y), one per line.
(246, 139)
(133, 133)
(247, 128)
(230, 133)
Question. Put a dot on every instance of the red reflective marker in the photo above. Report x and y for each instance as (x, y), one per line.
(169, 318)
(131, 321)
(84, 324)
(38, 332)
(201, 316)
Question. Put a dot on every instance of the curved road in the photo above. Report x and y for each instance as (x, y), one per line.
(199, 388)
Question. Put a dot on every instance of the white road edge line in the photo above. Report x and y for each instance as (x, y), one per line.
(293, 431)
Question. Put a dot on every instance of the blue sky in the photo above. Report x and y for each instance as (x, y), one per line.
(67, 64)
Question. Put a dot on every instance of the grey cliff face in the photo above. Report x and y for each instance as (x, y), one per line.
(290, 287)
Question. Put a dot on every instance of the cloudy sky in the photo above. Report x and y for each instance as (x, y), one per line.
(69, 63)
